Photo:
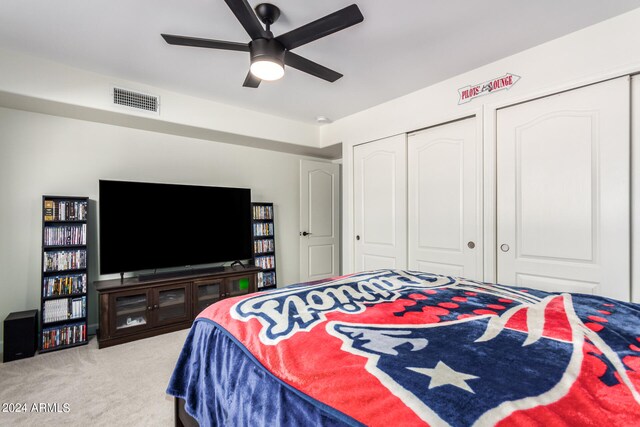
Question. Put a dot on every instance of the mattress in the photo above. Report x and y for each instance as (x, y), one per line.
(394, 347)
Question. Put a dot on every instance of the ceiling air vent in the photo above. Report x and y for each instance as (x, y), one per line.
(136, 100)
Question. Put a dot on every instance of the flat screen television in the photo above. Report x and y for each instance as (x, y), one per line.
(151, 226)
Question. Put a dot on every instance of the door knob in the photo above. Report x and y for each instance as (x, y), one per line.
(471, 245)
(504, 247)
(358, 237)
(304, 233)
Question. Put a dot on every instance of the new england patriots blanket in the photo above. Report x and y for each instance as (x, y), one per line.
(391, 348)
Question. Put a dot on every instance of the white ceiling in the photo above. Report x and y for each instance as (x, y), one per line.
(401, 46)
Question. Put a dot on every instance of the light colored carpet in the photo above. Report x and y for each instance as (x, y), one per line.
(123, 385)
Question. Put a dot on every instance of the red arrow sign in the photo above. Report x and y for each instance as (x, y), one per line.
(471, 92)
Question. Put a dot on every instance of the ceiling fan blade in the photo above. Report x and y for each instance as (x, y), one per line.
(310, 67)
(322, 27)
(208, 43)
(247, 18)
(251, 81)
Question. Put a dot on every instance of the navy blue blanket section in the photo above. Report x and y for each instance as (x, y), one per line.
(224, 385)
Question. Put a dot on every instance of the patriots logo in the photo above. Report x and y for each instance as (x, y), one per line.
(476, 370)
(447, 351)
(285, 312)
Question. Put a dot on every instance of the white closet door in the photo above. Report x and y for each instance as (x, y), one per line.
(445, 231)
(563, 191)
(380, 204)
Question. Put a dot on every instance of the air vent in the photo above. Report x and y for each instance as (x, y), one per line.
(137, 100)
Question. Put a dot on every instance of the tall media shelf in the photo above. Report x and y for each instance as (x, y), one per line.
(264, 246)
(64, 272)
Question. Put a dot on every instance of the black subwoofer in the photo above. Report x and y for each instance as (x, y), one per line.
(20, 335)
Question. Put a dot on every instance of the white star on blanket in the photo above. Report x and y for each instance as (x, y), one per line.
(444, 375)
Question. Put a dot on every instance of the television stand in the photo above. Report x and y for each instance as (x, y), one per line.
(134, 309)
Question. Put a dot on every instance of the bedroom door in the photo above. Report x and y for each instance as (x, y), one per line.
(319, 220)
(380, 204)
(445, 175)
(563, 191)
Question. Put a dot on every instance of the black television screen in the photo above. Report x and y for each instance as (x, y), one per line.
(148, 226)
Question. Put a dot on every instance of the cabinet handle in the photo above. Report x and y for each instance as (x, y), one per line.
(504, 247)
(471, 245)
(155, 306)
(149, 308)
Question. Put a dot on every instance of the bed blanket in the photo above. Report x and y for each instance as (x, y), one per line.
(393, 347)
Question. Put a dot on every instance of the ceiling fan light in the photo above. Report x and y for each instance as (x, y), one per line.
(268, 70)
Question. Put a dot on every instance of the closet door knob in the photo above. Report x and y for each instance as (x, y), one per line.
(504, 247)
(471, 245)
(358, 237)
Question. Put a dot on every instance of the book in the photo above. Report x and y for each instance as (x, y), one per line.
(48, 210)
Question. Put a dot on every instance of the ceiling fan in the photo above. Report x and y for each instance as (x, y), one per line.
(269, 54)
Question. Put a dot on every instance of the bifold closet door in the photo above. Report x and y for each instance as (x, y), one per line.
(563, 191)
(380, 204)
(444, 171)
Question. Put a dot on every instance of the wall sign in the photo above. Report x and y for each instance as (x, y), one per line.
(468, 93)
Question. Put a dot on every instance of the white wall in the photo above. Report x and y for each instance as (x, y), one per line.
(602, 51)
(47, 80)
(42, 154)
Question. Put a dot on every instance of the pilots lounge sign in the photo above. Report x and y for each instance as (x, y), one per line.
(471, 92)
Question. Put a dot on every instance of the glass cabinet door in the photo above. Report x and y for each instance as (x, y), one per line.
(206, 294)
(241, 285)
(131, 311)
(171, 303)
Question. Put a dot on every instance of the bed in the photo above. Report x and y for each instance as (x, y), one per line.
(393, 347)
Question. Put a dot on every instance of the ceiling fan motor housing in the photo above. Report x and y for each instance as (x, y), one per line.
(267, 50)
